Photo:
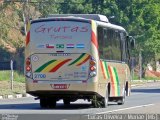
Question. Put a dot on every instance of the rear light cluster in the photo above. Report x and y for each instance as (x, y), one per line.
(93, 68)
(28, 67)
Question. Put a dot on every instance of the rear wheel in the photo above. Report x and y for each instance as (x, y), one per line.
(43, 102)
(102, 102)
(105, 100)
(96, 102)
(121, 100)
(51, 103)
(47, 102)
(66, 102)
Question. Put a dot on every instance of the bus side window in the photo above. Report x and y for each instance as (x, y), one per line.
(112, 48)
(100, 42)
(123, 46)
(127, 46)
(109, 44)
(108, 53)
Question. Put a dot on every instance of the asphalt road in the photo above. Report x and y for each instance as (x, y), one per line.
(144, 99)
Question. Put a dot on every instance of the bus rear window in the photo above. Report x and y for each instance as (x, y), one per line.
(60, 34)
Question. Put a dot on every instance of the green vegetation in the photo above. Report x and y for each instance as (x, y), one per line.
(136, 77)
(18, 88)
(140, 18)
(150, 78)
(5, 83)
(6, 76)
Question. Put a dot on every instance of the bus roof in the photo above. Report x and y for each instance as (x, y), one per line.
(97, 17)
(101, 20)
(60, 19)
(110, 25)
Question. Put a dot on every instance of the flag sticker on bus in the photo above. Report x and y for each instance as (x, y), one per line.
(59, 45)
(40, 46)
(49, 45)
(80, 46)
(70, 45)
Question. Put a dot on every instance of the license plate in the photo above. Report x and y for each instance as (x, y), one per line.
(60, 86)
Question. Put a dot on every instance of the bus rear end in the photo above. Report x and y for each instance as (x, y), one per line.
(58, 61)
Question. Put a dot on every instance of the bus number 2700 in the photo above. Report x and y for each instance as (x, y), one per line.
(39, 76)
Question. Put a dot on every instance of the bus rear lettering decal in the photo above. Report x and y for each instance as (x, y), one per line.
(54, 29)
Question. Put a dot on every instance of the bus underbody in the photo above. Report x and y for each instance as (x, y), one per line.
(48, 98)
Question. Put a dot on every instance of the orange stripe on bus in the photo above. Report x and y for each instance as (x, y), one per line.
(59, 65)
(112, 79)
(102, 69)
(94, 39)
(28, 38)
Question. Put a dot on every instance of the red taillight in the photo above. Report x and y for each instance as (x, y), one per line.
(28, 68)
(28, 64)
(92, 68)
(28, 61)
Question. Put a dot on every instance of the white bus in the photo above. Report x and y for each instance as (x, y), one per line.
(72, 57)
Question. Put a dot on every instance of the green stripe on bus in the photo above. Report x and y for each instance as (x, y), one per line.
(105, 63)
(77, 59)
(117, 81)
(44, 65)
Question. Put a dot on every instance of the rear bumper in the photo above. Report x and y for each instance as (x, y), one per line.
(80, 90)
(64, 94)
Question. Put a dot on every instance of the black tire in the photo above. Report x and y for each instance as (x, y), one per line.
(121, 100)
(105, 100)
(43, 102)
(96, 102)
(51, 103)
(100, 102)
(66, 102)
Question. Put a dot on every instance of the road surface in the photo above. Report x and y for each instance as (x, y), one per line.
(144, 99)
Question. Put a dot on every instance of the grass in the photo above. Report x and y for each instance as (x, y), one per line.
(5, 88)
(5, 83)
(151, 78)
(136, 77)
(6, 76)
